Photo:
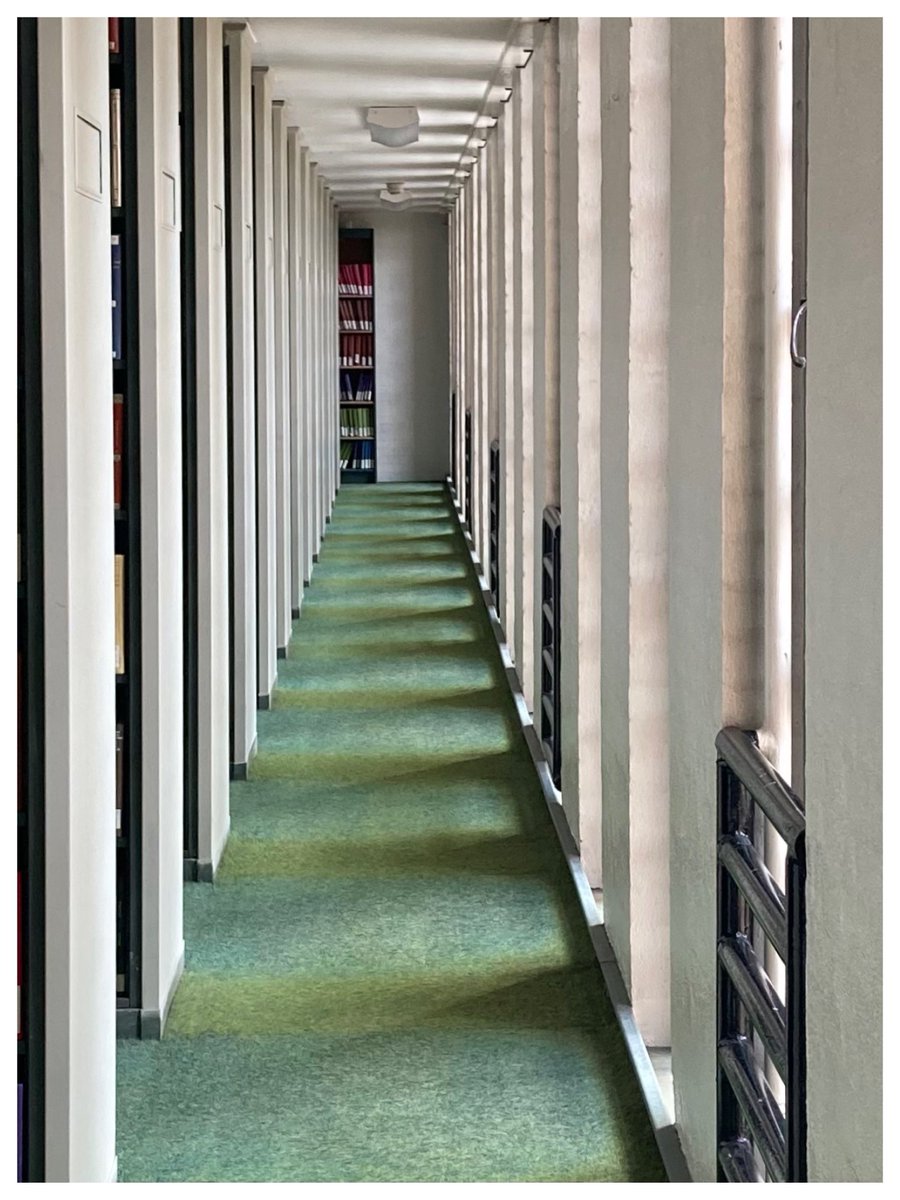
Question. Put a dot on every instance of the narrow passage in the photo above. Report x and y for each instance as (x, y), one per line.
(390, 979)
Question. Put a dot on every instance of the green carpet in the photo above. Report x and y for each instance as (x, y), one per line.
(391, 978)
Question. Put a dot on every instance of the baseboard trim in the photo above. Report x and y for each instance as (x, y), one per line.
(665, 1133)
(239, 771)
(264, 703)
(281, 652)
(191, 866)
(113, 1176)
(295, 612)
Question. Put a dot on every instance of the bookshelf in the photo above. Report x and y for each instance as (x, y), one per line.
(127, 495)
(30, 625)
(356, 355)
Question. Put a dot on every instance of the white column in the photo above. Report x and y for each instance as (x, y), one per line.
(523, 382)
(471, 333)
(310, 541)
(295, 367)
(507, 563)
(239, 214)
(615, 203)
(212, 445)
(695, 567)
(162, 633)
(843, 602)
(80, 715)
(648, 432)
(479, 429)
(545, 262)
(283, 523)
(579, 431)
(265, 387)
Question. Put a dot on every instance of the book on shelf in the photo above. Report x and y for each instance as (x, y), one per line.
(116, 263)
(113, 33)
(120, 614)
(356, 422)
(118, 438)
(358, 456)
(120, 773)
(355, 279)
(357, 391)
(115, 147)
(354, 316)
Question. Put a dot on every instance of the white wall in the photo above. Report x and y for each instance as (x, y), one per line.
(78, 605)
(843, 598)
(212, 445)
(162, 646)
(411, 343)
(243, 465)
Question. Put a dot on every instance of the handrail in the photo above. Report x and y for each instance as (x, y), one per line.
(762, 781)
(753, 911)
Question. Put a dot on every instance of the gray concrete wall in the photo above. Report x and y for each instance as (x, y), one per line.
(412, 351)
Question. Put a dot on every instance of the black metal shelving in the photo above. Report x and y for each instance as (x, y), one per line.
(31, 852)
(189, 446)
(126, 382)
(358, 246)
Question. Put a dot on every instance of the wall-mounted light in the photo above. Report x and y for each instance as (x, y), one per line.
(393, 126)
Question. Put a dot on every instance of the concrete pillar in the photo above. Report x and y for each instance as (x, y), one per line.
(266, 613)
(213, 816)
(295, 355)
(545, 262)
(162, 645)
(310, 541)
(695, 567)
(239, 214)
(579, 430)
(283, 525)
(506, 550)
(523, 382)
(843, 598)
(614, 599)
(79, 633)
(648, 432)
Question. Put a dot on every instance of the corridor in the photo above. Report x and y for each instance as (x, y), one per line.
(391, 978)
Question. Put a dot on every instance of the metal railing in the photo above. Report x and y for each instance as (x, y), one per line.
(494, 525)
(550, 656)
(758, 1140)
(467, 437)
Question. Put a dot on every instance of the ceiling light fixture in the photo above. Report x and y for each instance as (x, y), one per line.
(394, 196)
(393, 126)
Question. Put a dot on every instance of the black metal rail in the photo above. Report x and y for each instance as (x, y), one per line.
(494, 523)
(757, 1140)
(467, 435)
(550, 656)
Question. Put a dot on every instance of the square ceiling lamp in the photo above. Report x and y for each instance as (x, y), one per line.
(393, 126)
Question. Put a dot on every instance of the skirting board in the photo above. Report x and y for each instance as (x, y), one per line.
(664, 1131)
(148, 1023)
(239, 770)
(264, 703)
(113, 1176)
